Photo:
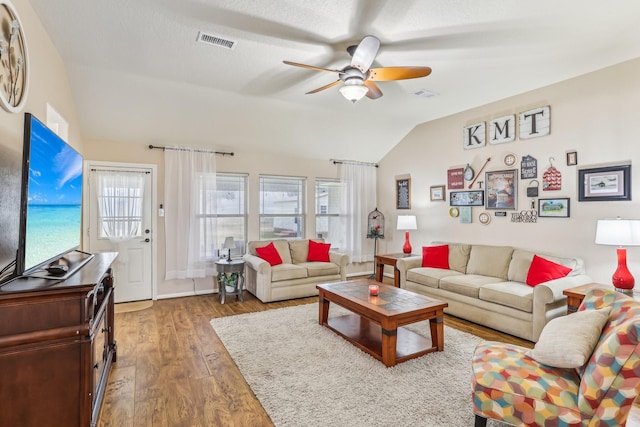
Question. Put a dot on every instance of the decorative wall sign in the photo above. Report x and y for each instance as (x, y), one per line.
(551, 179)
(532, 189)
(437, 192)
(524, 216)
(572, 158)
(535, 123)
(553, 208)
(501, 187)
(466, 198)
(465, 215)
(500, 213)
(474, 136)
(502, 129)
(455, 179)
(403, 193)
(528, 167)
(14, 60)
(604, 183)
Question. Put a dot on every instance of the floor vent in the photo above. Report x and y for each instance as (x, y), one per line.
(216, 41)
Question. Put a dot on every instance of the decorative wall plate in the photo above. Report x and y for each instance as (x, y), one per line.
(454, 212)
(484, 218)
(14, 63)
(510, 159)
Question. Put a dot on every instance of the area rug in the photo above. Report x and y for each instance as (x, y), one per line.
(305, 375)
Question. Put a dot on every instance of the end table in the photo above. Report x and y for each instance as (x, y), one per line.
(389, 259)
(230, 276)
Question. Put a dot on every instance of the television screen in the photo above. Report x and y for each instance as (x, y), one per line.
(52, 196)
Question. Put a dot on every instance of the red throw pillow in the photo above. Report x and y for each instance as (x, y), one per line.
(435, 256)
(318, 251)
(542, 270)
(270, 254)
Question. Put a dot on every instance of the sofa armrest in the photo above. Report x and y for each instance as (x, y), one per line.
(405, 264)
(256, 263)
(342, 260)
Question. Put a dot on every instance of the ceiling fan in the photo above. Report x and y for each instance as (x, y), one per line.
(359, 80)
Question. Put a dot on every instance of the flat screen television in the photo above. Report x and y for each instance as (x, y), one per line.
(51, 204)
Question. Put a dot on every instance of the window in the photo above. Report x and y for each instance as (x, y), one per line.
(282, 202)
(328, 193)
(120, 196)
(227, 217)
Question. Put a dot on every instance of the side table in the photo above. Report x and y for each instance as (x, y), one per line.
(576, 295)
(230, 275)
(389, 259)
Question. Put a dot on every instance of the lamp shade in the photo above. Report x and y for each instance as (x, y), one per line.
(407, 222)
(229, 243)
(618, 232)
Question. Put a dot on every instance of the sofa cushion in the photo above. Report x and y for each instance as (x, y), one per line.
(299, 250)
(511, 294)
(429, 276)
(435, 256)
(318, 251)
(458, 256)
(287, 272)
(568, 341)
(542, 270)
(270, 254)
(466, 284)
(318, 268)
(281, 245)
(521, 261)
(490, 261)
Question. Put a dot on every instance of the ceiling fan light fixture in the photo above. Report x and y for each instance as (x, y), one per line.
(353, 90)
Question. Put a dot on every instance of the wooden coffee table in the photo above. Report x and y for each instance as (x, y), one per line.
(375, 323)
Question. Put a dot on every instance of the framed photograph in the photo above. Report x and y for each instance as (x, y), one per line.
(572, 158)
(604, 184)
(465, 215)
(403, 193)
(437, 192)
(466, 198)
(502, 189)
(553, 208)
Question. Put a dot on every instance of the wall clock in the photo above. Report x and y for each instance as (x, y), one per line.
(510, 159)
(14, 64)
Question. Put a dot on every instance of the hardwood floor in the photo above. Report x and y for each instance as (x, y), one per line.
(172, 370)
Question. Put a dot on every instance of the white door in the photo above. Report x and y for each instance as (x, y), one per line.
(122, 222)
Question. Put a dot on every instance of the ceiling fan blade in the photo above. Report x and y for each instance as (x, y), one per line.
(365, 53)
(337, 82)
(311, 67)
(374, 90)
(386, 74)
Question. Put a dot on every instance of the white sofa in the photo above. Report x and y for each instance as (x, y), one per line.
(486, 285)
(295, 277)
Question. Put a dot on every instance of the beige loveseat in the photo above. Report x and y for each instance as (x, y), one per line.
(487, 285)
(295, 277)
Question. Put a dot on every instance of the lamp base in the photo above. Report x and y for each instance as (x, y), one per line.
(625, 291)
(622, 278)
(407, 244)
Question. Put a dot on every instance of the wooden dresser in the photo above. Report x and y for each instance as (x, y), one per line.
(56, 347)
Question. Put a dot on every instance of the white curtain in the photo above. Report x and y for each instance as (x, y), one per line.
(189, 196)
(358, 183)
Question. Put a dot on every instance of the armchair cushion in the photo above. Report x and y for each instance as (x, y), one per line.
(568, 341)
(270, 254)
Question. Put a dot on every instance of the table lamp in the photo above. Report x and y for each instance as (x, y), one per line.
(407, 222)
(229, 244)
(620, 232)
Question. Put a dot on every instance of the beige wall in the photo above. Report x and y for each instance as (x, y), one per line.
(596, 114)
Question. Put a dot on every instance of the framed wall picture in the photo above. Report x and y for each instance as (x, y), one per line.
(403, 193)
(604, 183)
(553, 208)
(437, 192)
(502, 189)
(466, 198)
(572, 158)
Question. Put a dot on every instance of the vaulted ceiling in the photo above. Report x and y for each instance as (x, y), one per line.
(138, 75)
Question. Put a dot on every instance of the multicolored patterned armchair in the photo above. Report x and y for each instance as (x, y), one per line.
(510, 386)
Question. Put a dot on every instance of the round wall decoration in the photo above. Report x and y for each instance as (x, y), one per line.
(454, 212)
(14, 64)
(510, 159)
(484, 218)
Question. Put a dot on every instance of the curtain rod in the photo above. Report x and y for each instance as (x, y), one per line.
(353, 162)
(222, 153)
(118, 170)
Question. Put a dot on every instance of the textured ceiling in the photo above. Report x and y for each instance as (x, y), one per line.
(138, 75)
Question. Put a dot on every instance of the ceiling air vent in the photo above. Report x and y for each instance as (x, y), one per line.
(424, 93)
(216, 41)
